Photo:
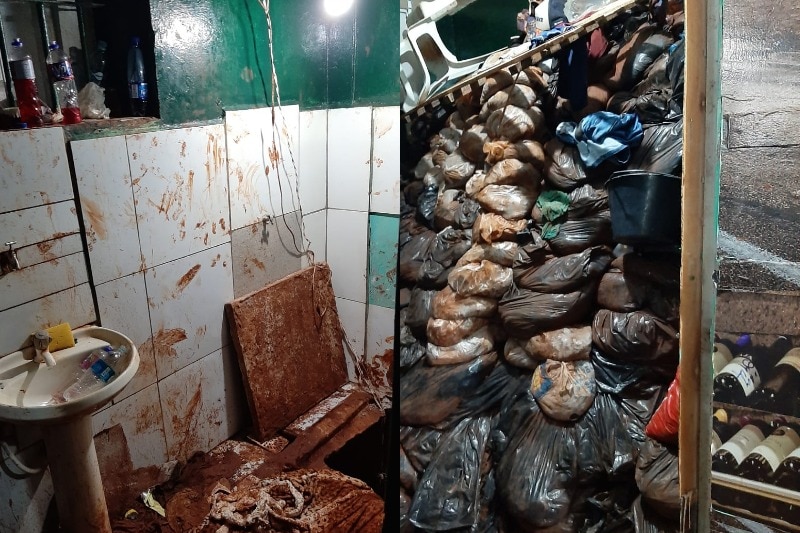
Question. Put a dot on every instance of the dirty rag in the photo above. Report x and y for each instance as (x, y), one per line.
(603, 136)
(553, 205)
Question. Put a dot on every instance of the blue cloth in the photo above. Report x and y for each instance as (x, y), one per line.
(548, 34)
(603, 136)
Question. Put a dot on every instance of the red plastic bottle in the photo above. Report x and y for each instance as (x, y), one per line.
(27, 93)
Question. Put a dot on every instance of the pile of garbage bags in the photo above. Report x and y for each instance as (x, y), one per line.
(534, 349)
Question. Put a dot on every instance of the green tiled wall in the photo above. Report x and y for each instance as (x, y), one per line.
(213, 55)
(383, 231)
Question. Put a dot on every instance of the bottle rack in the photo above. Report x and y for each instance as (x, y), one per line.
(755, 500)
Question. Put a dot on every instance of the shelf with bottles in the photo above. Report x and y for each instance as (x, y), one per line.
(756, 428)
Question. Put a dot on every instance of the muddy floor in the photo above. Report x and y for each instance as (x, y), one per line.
(225, 490)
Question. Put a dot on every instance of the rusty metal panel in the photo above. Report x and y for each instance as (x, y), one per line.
(289, 342)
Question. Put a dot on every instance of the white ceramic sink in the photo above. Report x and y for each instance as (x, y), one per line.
(27, 388)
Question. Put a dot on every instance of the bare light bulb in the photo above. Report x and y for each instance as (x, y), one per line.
(335, 8)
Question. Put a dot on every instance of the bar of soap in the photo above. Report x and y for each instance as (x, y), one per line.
(60, 337)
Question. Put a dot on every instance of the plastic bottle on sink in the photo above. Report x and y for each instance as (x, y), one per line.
(96, 370)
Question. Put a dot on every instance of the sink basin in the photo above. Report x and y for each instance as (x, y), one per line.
(26, 394)
(27, 388)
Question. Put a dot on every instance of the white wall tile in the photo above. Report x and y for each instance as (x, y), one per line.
(187, 299)
(34, 167)
(35, 281)
(180, 191)
(203, 404)
(347, 253)
(106, 198)
(313, 160)
(74, 306)
(380, 331)
(123, 307)
(349, 152)
(254, 146)
(316, 231)
(38, 224)
(385, 186)
(352, 316)
(379, 351)
(141, 419)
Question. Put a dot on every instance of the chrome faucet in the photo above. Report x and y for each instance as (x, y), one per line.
(41, 341)
(8, 259)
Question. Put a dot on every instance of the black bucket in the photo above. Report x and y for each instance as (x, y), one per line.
(645, 207)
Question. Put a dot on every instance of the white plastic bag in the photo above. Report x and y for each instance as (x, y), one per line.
(92, 101)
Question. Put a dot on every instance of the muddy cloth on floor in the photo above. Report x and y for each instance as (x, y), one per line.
(313, 501)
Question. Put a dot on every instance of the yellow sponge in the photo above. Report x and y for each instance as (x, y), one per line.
(60, 337)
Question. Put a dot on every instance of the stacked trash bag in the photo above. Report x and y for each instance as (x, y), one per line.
(533, 348)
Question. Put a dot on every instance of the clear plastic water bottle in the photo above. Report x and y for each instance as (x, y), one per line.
(27, 93)
(137, 83)
(59, 68)
(98, 368)
(97, 65)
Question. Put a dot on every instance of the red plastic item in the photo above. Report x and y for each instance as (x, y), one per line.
(663, 427)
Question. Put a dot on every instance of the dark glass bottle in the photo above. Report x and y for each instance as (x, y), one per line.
(725, 351)
(788, 473)
(732, 452)
(778, 393)
(764, 460)
(742, 375)
(722, 429)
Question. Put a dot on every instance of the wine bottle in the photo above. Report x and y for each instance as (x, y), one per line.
(722, 429)
(788, 473)
(764, 460)
(742, 375)
(725, 351)
(731, 454)
(778, 393)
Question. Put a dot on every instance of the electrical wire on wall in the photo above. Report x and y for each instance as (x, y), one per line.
(304, 248)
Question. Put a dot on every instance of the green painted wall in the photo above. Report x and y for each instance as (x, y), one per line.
(213, 55)
(482, 27)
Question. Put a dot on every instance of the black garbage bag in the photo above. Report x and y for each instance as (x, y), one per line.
(567, 273)
(564, 170)
(450, 244)
(466, 214)
(445, 212)
(411, 192)
(623, 379)
(606, 451)
(536, 470)
(675, 71)
(418, 444)
(419, 311)
(411, 350)
(661, 149)
(618, 292)
(608, 509)
(646, 521)
(426, 204)
(657, 479)
(408, 476)
(578, 234)
(586, 201)
(448, 493)
(637, 337)
(413, 253)
(503, 385)
(429, 394)
(533, 251)
(663, 270)
(525, 313)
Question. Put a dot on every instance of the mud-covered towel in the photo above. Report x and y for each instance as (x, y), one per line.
(313, 501)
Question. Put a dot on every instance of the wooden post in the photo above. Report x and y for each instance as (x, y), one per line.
(699, 215)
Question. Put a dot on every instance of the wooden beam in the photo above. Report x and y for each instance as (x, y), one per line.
(699, 215)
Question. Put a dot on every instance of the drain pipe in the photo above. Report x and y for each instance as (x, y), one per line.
(28, 471)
